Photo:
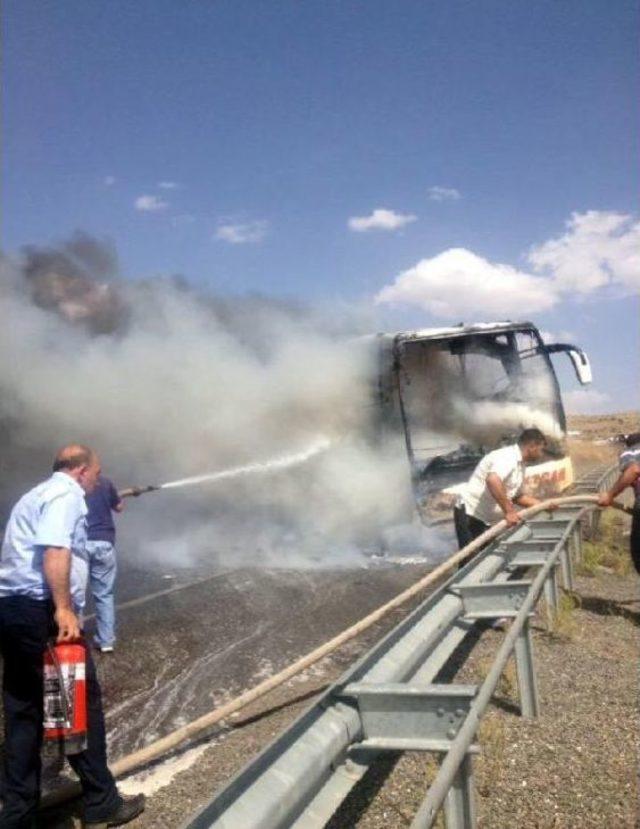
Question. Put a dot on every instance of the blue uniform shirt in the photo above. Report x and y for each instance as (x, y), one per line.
(51, 514)
(100, 502)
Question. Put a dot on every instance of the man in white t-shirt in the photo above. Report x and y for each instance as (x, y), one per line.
(496, 487)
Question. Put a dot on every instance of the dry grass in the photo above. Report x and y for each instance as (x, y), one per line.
(606, 552)
(586, 455)
(609, 549)
(507, 687)
(432, 767)
(565, 625)
(591, 559)
(492, 738)
(592, 427)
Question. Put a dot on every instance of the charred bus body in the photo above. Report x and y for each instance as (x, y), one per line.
(453, 394)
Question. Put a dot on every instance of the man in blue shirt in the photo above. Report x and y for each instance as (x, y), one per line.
(42, 583)
(102, 502)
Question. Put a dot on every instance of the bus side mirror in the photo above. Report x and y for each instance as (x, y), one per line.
(579, 359)
(581, 365)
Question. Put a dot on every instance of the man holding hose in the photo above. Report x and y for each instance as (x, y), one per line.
(496, 488)
(102, 502)
(629, 476)
(42, 584)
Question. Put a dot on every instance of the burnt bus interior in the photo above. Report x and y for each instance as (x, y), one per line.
(457, 394)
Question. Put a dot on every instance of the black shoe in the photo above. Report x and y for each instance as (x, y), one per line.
(129, 809)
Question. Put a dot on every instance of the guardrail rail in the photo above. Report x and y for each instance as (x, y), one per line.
(391, 699)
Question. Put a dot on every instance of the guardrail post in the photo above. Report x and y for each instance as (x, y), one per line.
(525, 668)
(459, 806)
(567, 566)
(551, 597)
(575, 542)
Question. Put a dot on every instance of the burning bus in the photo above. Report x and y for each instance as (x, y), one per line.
(453, 394)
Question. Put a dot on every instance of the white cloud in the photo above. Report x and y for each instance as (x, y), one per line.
(586, 401)
(242, 234)
(168, 185)
(150, 204)
(109, 181)
(457, 282)
(380, 219)
(599, 249)
(438, 193)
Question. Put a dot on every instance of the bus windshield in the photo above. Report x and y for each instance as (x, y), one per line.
(465, 395)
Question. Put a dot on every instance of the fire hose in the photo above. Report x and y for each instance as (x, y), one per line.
(157, 749)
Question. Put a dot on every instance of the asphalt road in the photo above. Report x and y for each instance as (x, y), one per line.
(185, 652)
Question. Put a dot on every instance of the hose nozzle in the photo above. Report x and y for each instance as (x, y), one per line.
(135, 491)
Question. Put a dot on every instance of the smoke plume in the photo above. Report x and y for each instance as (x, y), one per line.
(166, 383)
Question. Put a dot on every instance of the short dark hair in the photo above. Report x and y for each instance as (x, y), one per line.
(73, 456)
(528, 436)
(632, 439)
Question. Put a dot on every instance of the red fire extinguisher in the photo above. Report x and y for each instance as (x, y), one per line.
(65, 695)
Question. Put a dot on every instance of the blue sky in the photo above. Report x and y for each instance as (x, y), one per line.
(280, 121)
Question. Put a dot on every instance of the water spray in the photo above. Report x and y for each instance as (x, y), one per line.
(273, 465)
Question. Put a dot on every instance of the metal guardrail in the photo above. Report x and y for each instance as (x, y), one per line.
(391, 700)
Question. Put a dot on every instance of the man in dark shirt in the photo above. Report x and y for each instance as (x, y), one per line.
(101, 555)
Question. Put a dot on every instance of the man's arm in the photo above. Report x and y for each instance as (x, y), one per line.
(54, 534)
(117, 503)
(628, 477)
(499, 494)
(57, 572)
(525, 500)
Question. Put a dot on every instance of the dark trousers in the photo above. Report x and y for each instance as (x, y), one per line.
(634, 539)
(467, 529)
(25, 626)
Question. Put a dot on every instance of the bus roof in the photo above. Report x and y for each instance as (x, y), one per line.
(461, 330)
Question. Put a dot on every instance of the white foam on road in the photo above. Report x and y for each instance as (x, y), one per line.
(152, 780)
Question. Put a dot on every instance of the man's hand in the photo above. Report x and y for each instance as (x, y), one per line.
(68, 625)
(605, 499)
(531, 501)
(628, 477)
(512, 518)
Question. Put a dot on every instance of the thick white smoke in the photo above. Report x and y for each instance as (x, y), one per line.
(167, 384)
